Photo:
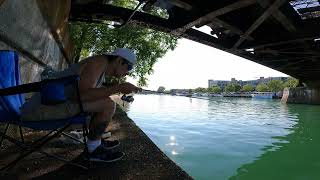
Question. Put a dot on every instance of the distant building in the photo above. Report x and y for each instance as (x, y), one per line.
(179, 91)
(222, 84)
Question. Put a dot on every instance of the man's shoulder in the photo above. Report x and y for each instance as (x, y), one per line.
(96, 59)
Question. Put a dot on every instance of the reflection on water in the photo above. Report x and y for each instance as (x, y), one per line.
(297, 154)
(225, 138)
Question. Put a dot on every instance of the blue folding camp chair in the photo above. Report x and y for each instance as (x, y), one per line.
(11, 99)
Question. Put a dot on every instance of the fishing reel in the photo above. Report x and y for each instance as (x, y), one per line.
(126, 98)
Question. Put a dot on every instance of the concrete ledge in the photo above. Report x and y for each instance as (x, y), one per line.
(143, 160)
(301, 95)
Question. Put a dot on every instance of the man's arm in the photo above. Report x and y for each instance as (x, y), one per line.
(104, 92)
(96, 93)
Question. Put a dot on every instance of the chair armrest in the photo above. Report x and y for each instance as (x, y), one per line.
(36, 86)
(65, 80)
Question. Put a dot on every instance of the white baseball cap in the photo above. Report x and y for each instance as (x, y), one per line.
(126, 54)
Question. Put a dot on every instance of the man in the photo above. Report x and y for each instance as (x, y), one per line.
(94, 97)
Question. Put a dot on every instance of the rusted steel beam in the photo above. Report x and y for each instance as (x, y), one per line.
(226, 25)
(291, 64)
(208, 17)
(287, 52)
(304, 70)
(274, 7)
(96, 12)
(288, 59)
(309, 9)
(181, 4)
(279, 43)
(279, 16)
(107, 12)
(101, 12)
(208, 40)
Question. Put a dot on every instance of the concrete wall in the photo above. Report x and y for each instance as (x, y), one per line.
(37, 29)
(301, 95)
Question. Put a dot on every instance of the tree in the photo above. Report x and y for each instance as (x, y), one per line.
(229, 88)
(237, 87)
(215, 89)
(275, 85)
(247, 88)
(200, 90)
(161, 89)
(150, 45)
(291, 83)
(262, 88)
(232, 87)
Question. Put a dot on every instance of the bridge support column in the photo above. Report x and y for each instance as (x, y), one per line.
(301, 95)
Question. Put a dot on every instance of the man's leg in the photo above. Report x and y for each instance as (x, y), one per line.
(104, 109)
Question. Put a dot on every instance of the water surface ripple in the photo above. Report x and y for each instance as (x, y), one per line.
(228, 138)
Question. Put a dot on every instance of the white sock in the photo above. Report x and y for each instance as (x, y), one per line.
(93, 144)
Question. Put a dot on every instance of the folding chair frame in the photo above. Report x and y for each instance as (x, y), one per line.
(38, 144)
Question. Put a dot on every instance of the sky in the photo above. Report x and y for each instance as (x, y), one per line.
(191, 65)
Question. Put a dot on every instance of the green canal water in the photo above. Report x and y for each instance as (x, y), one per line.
(229, 138)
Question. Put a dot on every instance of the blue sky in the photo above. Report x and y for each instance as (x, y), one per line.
(191, 64)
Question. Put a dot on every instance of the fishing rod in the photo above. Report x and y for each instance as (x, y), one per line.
(147, 90)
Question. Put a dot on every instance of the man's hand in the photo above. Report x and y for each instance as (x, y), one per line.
(127, 88)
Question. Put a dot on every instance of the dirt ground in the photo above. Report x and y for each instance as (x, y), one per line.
(143, 159)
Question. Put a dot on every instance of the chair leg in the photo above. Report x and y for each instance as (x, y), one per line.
(21, 135)
(27, 147)
(85, 135)
(71, 137)
(5, 132)
(86, 151)
(35, 147)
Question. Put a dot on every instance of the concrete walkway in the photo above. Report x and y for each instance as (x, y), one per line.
(143, 159)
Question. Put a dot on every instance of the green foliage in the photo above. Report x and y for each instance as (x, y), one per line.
(200, 90)
(237, 87)
(215, 89)
(275, 85)
(130, 4)
(161, 89)
(262, 88)
(232, 87)
(291, 83)
(110, 81)
(150, 45)
(247, 88)
(125, 3)
(229, 88)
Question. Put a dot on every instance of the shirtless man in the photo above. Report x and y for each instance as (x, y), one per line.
(94, 97)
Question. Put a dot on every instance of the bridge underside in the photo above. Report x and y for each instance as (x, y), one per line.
(283, 35)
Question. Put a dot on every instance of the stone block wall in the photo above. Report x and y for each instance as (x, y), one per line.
(301, 95)
(37, 30)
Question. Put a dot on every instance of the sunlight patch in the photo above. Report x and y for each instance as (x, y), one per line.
(307, 9)
(205, 29)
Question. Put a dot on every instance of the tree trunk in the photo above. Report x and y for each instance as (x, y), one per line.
(84, 32)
